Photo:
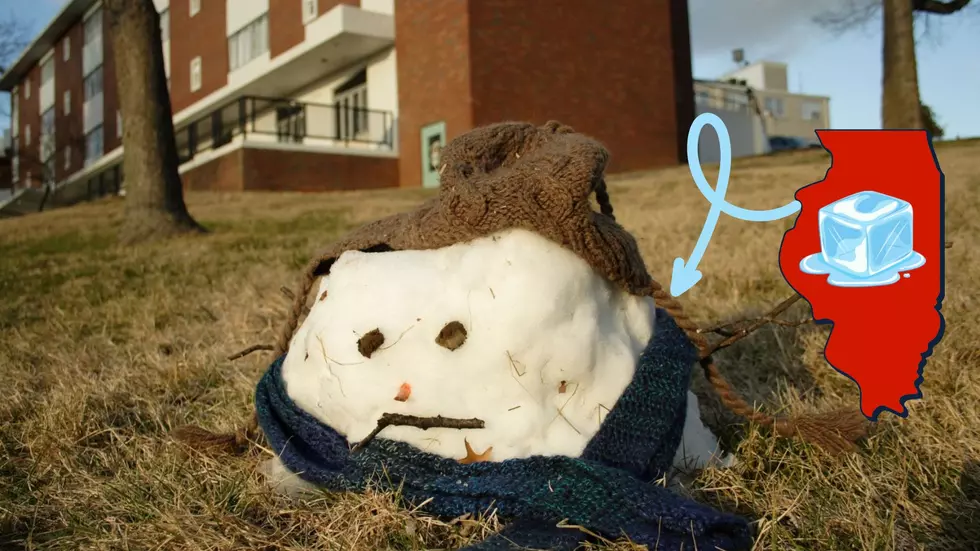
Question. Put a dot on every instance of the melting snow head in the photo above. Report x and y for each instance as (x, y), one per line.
(511, 328)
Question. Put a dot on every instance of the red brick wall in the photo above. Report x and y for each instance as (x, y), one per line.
(611, 75)
(221, 174)
(68, 126)
(620, 72)
(432, 40)
(285, 25)
(278, 170)
(209, 42)
(259, 169)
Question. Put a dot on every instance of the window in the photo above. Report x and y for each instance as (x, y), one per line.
(196, 74)
(46, 97)
(350, 107)
(66, 49)
(47, 135)
(248, 43)
(735, 101)
(291, 123)
(93, 84)
(165, 25)
(774, 106)
(14, 113)
(118, 124)
(27, 88)
(701, 97)
(68, 158)
(27, 134)
(92, 47)
(66, 107)
(812, 111)
(92, 27)
(93, 145)
(47, 72)
(310, 10)
(195, 7)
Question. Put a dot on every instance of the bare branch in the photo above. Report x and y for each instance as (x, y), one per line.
(249, 350)
(752, 326)
(855, 14)
(424, 423)
(939, 7)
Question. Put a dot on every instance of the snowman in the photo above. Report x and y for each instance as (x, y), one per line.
(477, 329)
(508, 301)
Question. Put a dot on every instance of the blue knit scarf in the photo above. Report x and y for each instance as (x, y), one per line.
(608, 490)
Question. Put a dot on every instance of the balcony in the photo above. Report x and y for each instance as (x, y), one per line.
(337, 39)
(290, 124)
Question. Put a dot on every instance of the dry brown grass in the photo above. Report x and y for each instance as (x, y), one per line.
(105, 349)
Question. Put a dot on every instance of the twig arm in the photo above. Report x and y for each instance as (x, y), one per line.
(396, 419)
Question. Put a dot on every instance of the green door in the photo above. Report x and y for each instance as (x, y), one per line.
(433, 141)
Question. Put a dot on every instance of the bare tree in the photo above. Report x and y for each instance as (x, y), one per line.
(155, 205)
(900, 101)
(13, 39)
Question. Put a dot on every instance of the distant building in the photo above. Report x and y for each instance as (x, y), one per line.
(756, 105)
(317, 95)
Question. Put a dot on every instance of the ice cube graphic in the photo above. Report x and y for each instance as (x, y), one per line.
(865, 233)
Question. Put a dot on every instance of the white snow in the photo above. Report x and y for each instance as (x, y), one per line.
(536, 316)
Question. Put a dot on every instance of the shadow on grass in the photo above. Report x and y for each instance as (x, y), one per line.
(756, 366)
(960, 528)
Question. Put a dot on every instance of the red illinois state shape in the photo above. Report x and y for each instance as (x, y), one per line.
(883, 190)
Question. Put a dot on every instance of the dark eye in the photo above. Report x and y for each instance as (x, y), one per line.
(452, 336)
(370, 342)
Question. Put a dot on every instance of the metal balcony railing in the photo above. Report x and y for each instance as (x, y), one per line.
(275, 120)
(286, 121)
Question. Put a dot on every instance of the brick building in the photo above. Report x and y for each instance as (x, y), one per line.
(314, 95)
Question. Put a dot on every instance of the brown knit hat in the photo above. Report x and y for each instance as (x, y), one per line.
(517, 175)
(514, 175)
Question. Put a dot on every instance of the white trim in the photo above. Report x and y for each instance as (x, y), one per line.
(100, 164)
(355, 151)
(44, 58)
(88, 13)
(348, 19)
(193, 7)
(210, 155)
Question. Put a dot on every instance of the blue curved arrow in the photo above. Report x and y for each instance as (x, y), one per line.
(685, 274)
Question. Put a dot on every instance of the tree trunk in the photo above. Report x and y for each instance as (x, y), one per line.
(900, 107)
(155, 205)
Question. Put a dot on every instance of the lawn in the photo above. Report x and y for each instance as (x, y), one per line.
(105, 349)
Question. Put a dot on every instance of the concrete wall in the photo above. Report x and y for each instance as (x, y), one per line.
(744, 130)
(795, 107)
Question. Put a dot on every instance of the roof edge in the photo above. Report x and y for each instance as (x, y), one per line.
(44, 41)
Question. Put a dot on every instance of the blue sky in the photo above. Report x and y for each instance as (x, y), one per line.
(847, 68)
